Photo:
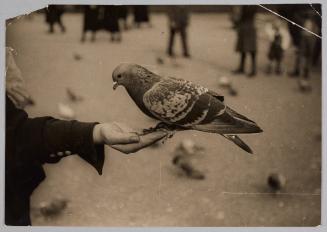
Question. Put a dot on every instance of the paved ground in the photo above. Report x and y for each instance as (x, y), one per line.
(144, 189)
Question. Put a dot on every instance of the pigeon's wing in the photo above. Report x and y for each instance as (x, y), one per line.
(182, 103)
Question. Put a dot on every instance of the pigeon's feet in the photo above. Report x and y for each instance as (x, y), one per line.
(149, 130)
(169, 135)
(161, 126)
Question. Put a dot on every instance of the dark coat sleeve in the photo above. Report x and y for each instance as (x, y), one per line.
(40, 139)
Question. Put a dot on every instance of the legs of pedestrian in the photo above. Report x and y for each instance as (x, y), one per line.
(51, 28)
(296, 71)
(184, 42)
(278, 70)
(171, 42)
(118, 36)
(253, 67)
(62, 27)
(83, 36)
(93, 36)
(269, 66)
(242, 62)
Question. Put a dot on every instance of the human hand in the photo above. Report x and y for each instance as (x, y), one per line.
(123, 138)
(15, 87)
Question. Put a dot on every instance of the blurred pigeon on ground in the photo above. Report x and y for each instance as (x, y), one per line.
(276, 182)
(77, 56)
(304, 86)
(53, 208)
(182, 105)
(224, 82)
(187, 168)
(160, 60)
(66, 112)
(232, 91)
(182, 159)
(73, 96)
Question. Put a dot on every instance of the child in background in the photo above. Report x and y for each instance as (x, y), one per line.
(179, 18)
(279, 43)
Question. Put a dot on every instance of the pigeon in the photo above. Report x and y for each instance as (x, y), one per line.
(73, 96)
(66, 112)
(187, 168)
(53, 208)
(160, 60)
(77, 56)
(224, 82)
(183, 152)
(304, 86)
(182, 105)
(276, 182)
(232, 91)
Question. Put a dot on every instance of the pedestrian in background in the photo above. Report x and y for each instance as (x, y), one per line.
(178, 21)
(91, 21)
(247, 38)
(276, 51)
(306, 47)
(53, 15)
(317, 18)
(111, 22)
(122, 15)
(295, 13)
(141, 15)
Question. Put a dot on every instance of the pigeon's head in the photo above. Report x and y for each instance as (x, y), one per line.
(133, 76)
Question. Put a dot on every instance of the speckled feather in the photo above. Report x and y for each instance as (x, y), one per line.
(180, 102)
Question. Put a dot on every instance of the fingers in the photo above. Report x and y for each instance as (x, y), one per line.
(16, 98)
(124, 138)
(18, 95)
(145, 140)
(113, 134)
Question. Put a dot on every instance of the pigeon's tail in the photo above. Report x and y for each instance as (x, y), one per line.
(239, 142)
(246, 125)
(230, 122)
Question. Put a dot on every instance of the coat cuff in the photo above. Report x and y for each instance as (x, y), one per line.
(85, 146)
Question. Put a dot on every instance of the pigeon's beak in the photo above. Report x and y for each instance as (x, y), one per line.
(115, 85)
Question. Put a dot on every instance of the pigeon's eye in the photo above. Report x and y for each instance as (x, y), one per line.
(119, 75)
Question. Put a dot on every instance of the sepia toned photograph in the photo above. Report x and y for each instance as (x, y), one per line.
(164, 116)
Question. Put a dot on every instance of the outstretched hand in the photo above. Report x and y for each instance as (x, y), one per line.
(123, 138)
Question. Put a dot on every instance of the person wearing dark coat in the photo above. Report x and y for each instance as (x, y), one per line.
(247, 38)
(91, 21)
(53, 15)
(141, 15)
(295, 13)
(178, 22)
(30, 143)
(318, 42)
(111, 22)
(122, 15)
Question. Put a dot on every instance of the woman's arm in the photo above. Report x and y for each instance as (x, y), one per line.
(47, 140)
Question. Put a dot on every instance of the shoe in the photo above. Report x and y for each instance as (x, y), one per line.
(170, 54)
(294, 74)
(252, 74)
(186, 55)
